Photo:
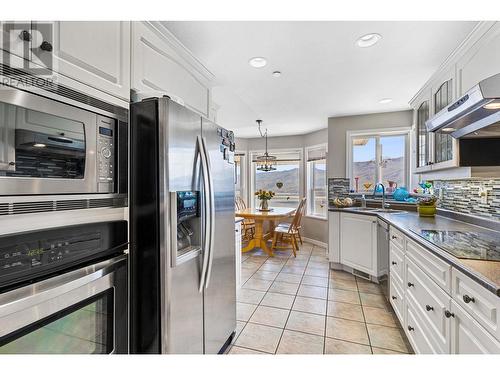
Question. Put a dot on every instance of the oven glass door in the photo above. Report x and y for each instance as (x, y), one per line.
(85, 328)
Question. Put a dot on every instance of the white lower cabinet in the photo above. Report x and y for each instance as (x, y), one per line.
(358, 242)
(441, 309)
(468, 336)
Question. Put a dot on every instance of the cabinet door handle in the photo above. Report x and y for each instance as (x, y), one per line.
(410, 284)
(449, 314)
(429, 308)
(46, 46)
(410, 328)
(393, 263)
(394, 297)
(25, 35)
(468, 299)
(394, 237)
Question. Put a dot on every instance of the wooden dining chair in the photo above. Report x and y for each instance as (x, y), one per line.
(288, 233)
(248, 224)
(302, 208)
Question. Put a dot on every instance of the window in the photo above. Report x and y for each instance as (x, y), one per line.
(375, 158)
(284, 181)
(239, 176)
(316, 181)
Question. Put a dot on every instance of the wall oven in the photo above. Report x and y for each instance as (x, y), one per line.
(64, 290)
(50, 147)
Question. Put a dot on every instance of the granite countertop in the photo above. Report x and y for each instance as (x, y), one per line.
(486, 272)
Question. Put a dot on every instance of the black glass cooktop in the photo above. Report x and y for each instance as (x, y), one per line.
(465, 245)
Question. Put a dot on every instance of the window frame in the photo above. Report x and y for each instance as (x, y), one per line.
(243, 176)
(274, 151)
(378, 133)
(307, 170)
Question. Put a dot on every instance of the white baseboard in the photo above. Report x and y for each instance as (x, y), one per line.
(315, 242)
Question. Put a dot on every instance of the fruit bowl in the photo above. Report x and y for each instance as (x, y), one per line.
(343, 202)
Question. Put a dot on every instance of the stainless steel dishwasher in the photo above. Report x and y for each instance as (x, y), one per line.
(383, 255)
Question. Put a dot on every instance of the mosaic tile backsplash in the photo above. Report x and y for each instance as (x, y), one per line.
(338, 187)
(464, 196)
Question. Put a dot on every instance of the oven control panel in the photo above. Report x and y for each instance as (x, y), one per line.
(24, 256)
(106, 154)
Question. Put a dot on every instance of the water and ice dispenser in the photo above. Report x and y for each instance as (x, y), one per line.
(186, 219)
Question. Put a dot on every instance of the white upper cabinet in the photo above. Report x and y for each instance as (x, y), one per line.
(95, 53)
(481, 60)
(162, 66)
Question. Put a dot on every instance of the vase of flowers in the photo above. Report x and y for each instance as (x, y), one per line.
(264, 196)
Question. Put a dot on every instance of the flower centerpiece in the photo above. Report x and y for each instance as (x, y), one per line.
(264, 196)
(427, 206)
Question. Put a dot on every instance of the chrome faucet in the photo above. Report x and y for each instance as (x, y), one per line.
(383, 193)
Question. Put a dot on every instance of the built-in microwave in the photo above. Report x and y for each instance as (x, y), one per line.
(51, 147)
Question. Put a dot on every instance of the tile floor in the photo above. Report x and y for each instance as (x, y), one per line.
(298, 305)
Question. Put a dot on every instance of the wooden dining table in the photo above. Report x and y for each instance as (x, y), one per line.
(260, 238)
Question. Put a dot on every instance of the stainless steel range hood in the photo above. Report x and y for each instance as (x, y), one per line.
(475, 115)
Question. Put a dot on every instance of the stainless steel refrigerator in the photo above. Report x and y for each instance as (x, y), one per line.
(182, 285)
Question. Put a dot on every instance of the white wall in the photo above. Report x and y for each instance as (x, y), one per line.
(314, 228)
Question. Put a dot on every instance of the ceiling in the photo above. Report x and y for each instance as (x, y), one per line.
(324, 73)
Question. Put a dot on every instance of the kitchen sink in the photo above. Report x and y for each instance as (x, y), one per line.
(362, 209)
(374, 209)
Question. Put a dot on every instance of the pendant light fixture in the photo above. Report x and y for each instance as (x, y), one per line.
(266, 162)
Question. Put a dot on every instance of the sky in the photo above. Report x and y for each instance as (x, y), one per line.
(392, 147)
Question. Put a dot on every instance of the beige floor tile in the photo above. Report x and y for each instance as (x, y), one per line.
(318, 265)
(370, 288)
(257, 284)
(316, 272)
(270, 316)
(271, 267)
(289, 278)
(307, 323)
(385, 351)
(345, 311)
(343, 284)
(244, 311)
(312, 291)
(333, 346)
(347, 330)
(337, 274)
(299, 262)
(387, 338)
(250, 296)
(240, 350)
(375, 315)
(300, 343)
(315, 281)
(346, 296)
(265, 275)
(296, 270)
(250, 266)
(276, 261)
(239, 328)
(310, 305)
(259, 337)
(285, 288)
(373, 300)
(282, 301)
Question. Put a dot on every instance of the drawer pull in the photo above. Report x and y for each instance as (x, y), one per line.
(410, 328)
(429, 308)
(394, 237)
(449, 314)
(394, 297)
(410, 284)
(393, 263)
(468, 299)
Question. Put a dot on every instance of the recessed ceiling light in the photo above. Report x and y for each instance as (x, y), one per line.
(276, 73)
(385, 100)
(39, 145)
(368, 40)
(257, 62)
(492, 105)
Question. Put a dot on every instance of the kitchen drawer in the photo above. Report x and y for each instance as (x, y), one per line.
(430, 302)
(415, 331)
(437, 269)
(397, 238)
(468, 336)
(480, 303)
(397, 299)
(396, 263)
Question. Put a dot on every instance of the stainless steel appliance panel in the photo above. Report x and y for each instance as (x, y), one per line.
(220, 291)
(182, 303)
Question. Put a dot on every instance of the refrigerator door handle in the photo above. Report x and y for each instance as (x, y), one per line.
(211, 213)
(200, 151)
